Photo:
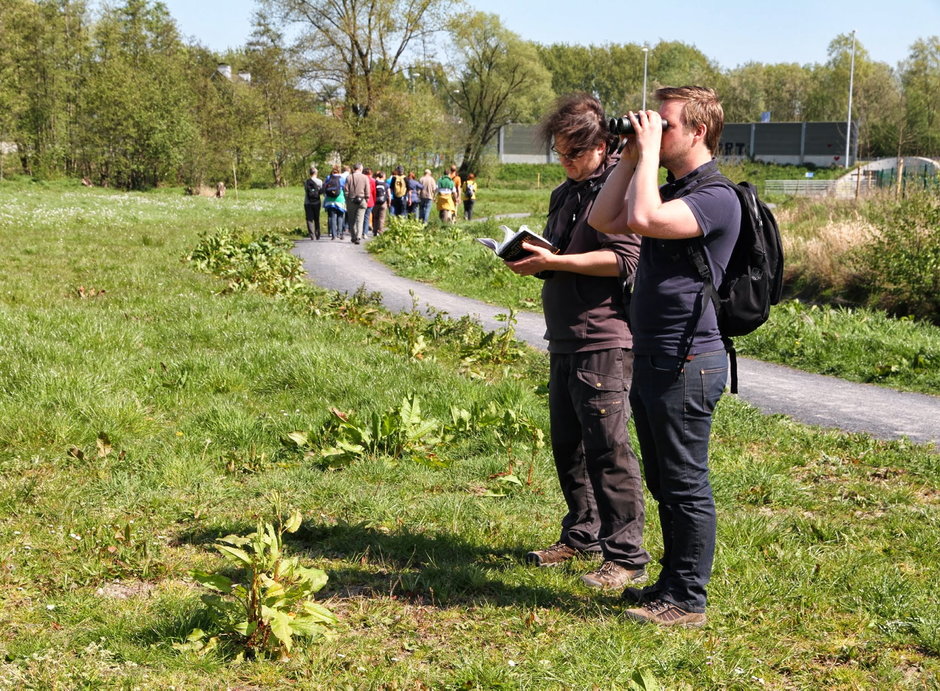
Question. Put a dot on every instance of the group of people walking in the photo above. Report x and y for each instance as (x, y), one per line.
(358, 202)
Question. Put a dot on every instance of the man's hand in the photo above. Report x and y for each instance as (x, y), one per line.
(539, 260)
(648, 129)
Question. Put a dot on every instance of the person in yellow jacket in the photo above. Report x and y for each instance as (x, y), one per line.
(446, 200)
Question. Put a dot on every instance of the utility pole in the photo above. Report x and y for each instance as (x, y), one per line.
(848, 124)
(646, 52)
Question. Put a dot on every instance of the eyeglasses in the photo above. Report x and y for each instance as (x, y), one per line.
(571, 155)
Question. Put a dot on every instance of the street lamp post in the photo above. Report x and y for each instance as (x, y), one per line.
(848, 124)
(646, 52)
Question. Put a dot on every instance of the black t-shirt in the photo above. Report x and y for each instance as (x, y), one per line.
(668, 305)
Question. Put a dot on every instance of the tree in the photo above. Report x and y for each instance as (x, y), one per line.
(17, 14)
(754, 88)
(136, 110)
(876, 95)
(500, 80)
(614, 73)
(920, 76)
(787, 87)
(672, 63)
(230, 145)
(572, 67)
(281, 104)
(359, 46)
(42, 46)
(745, 98)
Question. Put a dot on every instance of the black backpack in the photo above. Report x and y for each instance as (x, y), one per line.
(333, 186)
(381, 192)
(753, 280)
(312, 191)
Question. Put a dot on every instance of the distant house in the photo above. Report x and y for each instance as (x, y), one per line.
(224, 71)
(8, 148)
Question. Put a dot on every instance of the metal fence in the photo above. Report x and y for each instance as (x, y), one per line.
(842, 189)
(910, 174)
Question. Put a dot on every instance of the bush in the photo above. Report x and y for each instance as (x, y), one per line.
(899, 270)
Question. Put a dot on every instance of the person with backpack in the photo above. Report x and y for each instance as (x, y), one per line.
(312, 190)
(398, 186)
(680, 366)
(380, 209)
(469, 196)
(590, 360)
(334, 200)
(413, 195)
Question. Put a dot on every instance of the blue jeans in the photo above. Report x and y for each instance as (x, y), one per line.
(336, 222)
(673, 414)
(424, 209)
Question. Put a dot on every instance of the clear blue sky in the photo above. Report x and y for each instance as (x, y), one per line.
(731, 32)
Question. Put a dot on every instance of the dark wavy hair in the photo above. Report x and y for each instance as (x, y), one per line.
(578, 118)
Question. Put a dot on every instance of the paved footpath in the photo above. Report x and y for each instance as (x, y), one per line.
(810, 398)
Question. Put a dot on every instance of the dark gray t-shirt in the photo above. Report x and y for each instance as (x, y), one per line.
(668, 306)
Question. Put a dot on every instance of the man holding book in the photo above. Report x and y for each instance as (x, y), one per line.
(591, 362)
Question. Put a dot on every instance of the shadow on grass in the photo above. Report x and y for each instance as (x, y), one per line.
(439, 569)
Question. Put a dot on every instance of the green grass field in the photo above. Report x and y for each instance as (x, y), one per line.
(145, 410)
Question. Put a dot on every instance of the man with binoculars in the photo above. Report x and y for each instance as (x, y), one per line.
(680, 364)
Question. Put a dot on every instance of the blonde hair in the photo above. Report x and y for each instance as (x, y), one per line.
(701, 107)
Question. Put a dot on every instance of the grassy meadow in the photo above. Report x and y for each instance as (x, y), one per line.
(149, 407)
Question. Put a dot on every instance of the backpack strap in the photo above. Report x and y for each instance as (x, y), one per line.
(695, 250)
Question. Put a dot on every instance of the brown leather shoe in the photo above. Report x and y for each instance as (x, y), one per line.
(665, 614)
(610, 574)
(554, 555)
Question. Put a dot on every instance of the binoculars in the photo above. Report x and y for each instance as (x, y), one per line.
(624, 126)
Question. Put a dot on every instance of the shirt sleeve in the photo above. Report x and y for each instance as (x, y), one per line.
(715, 207)
(627, 249)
